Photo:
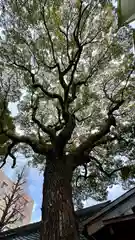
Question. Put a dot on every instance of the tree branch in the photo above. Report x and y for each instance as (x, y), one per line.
(32, 142)
(99, 165)
(49, 94)
(49, 35)
(45, 129)
(83, 119)
(106, 139)
(9, 153)
(85, 176)
(85, 81)
(65, 135)
(77, 27)
(67, 41)
(59, 124)
(62, 82)
(72, 74)
(38, 85)
(93, 139)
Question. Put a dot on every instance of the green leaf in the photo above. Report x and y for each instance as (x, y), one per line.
(78, 3)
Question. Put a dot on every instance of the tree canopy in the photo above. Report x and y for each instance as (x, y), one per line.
(71, 72)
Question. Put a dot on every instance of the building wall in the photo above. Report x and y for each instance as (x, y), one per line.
(25, 200)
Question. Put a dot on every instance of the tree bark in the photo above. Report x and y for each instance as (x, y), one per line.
(58, 218)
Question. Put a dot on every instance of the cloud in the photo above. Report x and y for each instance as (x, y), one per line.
(35, 183)
(32, 188)
(36, 213)
(89, 202)
(34, 207)
(115, 192)
(13, 108)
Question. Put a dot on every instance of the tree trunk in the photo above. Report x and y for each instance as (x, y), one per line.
(58, 218)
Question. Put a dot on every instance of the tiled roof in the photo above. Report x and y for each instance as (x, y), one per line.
(85, 213)
(31, 236)
(28, 232)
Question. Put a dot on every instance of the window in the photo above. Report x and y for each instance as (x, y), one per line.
(4, 185)
(22, 201)
(26, 203)
(21, 218)
(133, 209)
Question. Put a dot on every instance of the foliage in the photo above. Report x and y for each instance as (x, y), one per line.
(6, 121)
(76, 75)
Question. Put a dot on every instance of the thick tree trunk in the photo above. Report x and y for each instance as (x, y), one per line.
(58, 218)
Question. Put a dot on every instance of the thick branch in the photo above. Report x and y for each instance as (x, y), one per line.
(45, 129)
(32, 142)
(93, 139)
(100, 167)
(38, 85)
(85, 81)
(62, 82)
(106, 139)
(48, 34)
(67, 40)
(9, 153)
(77, 27)
(72, 74)
(85, 176)
(66, 133)
(42, 127)
(49, 94)
(59, 124)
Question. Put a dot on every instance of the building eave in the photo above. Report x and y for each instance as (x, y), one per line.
(110, 206)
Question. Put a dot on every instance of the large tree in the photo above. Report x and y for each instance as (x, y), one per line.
(71, 74)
